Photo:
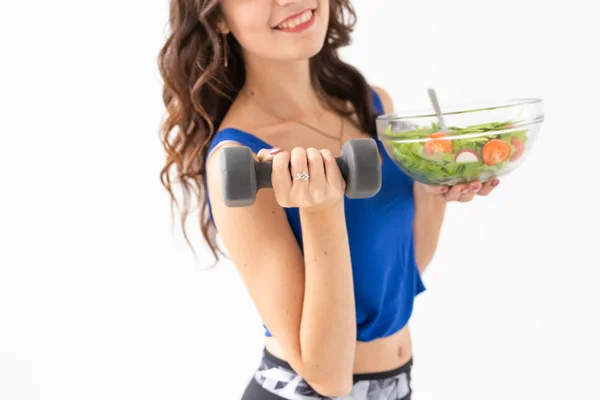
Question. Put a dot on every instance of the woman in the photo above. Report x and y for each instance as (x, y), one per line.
(332, 278)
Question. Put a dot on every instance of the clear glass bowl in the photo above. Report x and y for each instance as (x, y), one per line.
(482, 141)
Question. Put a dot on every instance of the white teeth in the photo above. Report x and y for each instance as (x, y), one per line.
(301, 19)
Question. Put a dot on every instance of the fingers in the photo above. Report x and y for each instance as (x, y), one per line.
(263, 155)
(280, 176)
(455, 192)
(299, 192)
(299, 165)
(488, 187)
(267, 154)
(316, 169)
(467, 192)
(320, 187)
(332, 171)
(474, 187)
(466, 197)
(436, 189)
(464, 192)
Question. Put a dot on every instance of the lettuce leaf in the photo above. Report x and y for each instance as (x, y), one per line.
(407, 149)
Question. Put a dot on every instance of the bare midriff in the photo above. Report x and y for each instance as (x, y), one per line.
(375, 356)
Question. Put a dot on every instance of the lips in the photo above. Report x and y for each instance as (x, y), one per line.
(296, 20)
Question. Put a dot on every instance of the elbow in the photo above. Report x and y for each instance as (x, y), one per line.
(425, 250)
(333, 388)
(329, 378)
(422, 263)
(423, 259)
(330, 382)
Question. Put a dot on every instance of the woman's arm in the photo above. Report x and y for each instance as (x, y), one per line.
(429, 216)
(306, 301)
(328, 327)
(429, 209)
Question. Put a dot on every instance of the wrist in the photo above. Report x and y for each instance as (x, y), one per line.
(324, 223)
(422, 194)
(323, 210)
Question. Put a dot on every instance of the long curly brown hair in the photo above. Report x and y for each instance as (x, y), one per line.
(198, 91)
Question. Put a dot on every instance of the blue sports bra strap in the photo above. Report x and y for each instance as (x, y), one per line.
(238, 136)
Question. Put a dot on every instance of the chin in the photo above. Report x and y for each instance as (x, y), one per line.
(307, 51)
(296, 46)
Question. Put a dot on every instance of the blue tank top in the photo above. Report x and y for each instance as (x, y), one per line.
(380, 233)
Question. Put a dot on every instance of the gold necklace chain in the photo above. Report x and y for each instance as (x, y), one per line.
(338, 139)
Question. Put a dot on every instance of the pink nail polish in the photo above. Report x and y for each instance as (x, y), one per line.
(476, 188)
(275, 150)
(444, 189)
(495, 182)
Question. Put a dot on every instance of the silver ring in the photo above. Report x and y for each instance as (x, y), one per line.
(301, 176)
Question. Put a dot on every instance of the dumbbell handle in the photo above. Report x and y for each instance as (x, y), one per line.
(264, 170)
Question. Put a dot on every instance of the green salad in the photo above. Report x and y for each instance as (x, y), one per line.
(435, 157)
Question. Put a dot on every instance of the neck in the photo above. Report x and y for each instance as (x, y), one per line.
(282, 89)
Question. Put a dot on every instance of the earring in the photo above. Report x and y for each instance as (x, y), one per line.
(225, 51)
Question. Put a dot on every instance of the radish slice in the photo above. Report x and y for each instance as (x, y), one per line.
(466, 156)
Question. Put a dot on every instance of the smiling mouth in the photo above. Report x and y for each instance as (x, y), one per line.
(296, 21)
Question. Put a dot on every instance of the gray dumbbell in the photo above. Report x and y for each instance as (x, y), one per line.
(243, 176)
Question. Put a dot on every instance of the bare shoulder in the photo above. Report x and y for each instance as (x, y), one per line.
(246, 117)
(238, 117)
(386, 99)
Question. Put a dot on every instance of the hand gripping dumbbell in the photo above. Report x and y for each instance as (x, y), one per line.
(243, 176)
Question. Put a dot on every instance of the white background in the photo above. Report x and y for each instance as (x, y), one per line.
(99, 300)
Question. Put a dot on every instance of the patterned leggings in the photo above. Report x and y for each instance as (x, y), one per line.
(275, 380)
